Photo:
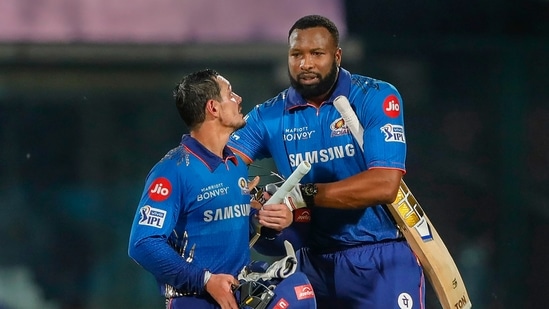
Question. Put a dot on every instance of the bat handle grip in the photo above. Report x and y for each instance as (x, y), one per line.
(302, 169)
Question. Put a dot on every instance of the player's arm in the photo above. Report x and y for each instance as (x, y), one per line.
(155, 255)
(368, 188)
(384, 153)
(252, 141)
(148, 243)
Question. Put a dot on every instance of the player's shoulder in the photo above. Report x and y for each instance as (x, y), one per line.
(270, 109)
(275, 102)
(172, 159)
(174, 155)
(369, 93)
(369, 84)
(168, 166)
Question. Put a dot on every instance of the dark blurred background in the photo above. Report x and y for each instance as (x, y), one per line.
(86, 110)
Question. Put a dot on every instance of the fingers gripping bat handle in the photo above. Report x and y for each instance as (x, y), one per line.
(302, 169)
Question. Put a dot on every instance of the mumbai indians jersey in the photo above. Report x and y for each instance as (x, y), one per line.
(193, 215)
(289, 130)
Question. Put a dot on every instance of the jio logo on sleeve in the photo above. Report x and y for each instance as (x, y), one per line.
(160, 189)
(391, 106)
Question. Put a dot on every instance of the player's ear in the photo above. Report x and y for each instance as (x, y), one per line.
(211, 106)
(338, 54)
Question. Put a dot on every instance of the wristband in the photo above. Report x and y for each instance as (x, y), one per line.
(207, 275)
(308, 191)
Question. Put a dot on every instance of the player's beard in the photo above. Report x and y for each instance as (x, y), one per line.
(324, 85)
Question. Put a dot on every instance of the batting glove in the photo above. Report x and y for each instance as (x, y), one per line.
(294, 199)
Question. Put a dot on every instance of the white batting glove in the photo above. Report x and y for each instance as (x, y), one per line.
(294, 199)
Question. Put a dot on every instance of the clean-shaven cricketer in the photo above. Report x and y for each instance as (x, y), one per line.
(191, 229)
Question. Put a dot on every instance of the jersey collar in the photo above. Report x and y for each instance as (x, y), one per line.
(206, 156)
(342, 87)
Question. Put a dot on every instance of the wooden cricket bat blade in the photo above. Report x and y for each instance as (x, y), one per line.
(423, 238)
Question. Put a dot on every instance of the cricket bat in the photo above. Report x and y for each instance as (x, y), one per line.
(421, 235)
(302, 169)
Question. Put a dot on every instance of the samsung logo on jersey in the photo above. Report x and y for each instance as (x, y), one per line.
(322, 155)
(229, 212)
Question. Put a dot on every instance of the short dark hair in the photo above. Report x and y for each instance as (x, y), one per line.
(192, 93)
(312, 21)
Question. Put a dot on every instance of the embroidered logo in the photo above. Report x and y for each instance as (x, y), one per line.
(393, 133)
(339, 127)
(297, 134)
(152, 216)
(160, 189)
(391, 106)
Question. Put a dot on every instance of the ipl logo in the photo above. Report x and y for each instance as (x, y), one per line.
(393, 133)
(152, 216)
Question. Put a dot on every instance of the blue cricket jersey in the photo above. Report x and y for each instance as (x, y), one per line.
(289, 130)
(193, 215)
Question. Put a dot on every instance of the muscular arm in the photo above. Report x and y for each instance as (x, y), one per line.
(372, 187)
(368, 188)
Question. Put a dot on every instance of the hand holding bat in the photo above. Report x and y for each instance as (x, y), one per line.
(418, 230)
(278, 197)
